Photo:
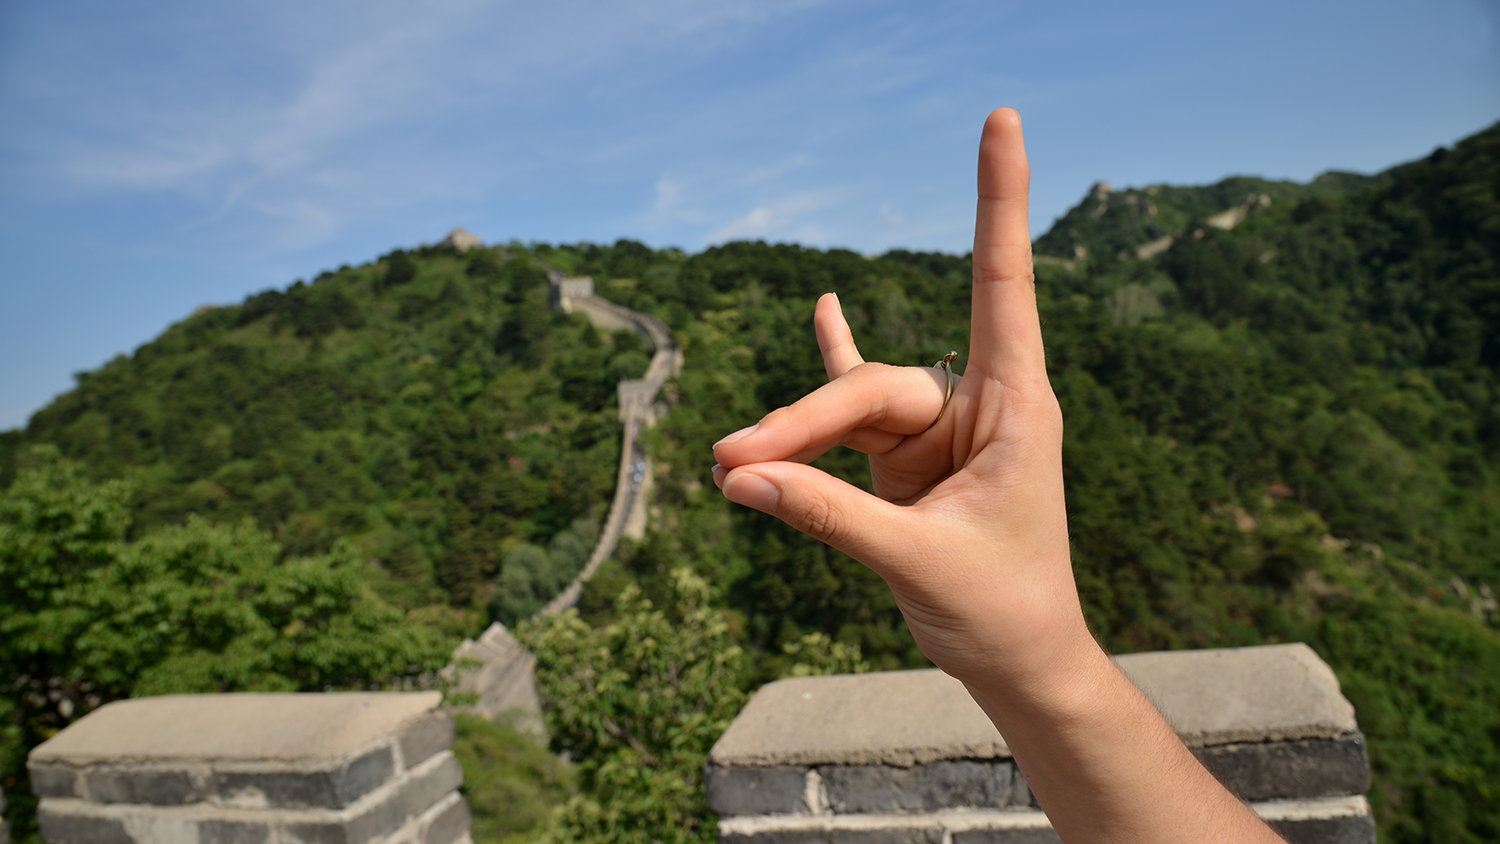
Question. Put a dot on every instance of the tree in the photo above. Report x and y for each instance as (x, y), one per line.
(638, 701)
(88, 615)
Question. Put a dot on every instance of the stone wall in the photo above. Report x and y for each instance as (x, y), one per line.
(340, 768)
(907, 756)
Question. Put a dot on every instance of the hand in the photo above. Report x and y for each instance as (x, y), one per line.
(968, 526)
(967, 523)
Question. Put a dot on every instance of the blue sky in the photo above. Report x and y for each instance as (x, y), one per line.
(157, 156)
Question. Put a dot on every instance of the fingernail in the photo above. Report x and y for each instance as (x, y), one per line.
(753, 491)
(737, 435)
(718, 473)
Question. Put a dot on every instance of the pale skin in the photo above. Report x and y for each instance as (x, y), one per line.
(967, 523)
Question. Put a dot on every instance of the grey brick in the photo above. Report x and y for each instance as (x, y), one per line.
(362, 775)
(420, 792)
(409, 800)
(377, 820)
(425, 737)
(60, 828)
(1020, 792)
(920, 788)
(53, 781)
(449, 826)
(1351, 830)
(382, 818)
(754, 790)
(232, 832)
(142, 786)
(332, 789)
(281, 789)
(1291, 769)
(781, 836)
(1033, 835)
(891, 835)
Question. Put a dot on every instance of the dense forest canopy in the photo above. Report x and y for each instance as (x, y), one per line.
(1282, 425)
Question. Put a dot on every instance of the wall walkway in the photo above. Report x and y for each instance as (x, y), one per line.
(495, 668)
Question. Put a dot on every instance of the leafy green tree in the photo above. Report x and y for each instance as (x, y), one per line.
(88, 615)
(512, 784)
(531, 575)
(638, 702)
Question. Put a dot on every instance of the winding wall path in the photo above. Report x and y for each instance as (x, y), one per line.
(627, 514)
(494, 667)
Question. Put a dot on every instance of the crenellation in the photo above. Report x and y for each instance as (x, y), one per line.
(908, 756)
(382, 774)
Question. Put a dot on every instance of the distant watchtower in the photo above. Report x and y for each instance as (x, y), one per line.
(461, 241)
(565, 290)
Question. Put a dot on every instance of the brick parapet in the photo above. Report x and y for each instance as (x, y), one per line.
(908, 756)
(388, 778)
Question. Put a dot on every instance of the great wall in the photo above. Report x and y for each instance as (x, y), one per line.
(886, 758)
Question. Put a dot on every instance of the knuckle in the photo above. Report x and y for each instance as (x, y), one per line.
(816, 517)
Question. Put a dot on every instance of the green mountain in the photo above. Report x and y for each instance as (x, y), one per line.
(429, 407)
(1283, 423)
(1111, 222)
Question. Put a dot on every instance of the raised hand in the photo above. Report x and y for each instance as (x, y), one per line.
(966, 521)
(967, 524)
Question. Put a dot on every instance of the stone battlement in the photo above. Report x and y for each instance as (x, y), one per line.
(353, 768)
(907, 756)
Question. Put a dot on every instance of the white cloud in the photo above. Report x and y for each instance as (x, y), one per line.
(782, 219)
(360, 90)
(775, 170)
(756, 225)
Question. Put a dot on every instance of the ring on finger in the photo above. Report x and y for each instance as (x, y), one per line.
(946, 364)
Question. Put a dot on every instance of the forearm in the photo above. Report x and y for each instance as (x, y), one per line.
(1105, 765)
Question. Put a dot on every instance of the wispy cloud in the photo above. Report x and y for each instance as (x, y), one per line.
(359, 93)
(786, 218)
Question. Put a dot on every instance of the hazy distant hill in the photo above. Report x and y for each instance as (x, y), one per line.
(1282, 424)
(1108, 221)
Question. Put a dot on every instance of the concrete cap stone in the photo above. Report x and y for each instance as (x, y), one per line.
(1262, 693)
(1211, 697)
(891, 717)
(247, 727)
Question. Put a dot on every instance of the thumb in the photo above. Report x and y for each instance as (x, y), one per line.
(861, 525)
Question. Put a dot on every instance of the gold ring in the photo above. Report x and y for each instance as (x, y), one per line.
(946, 364)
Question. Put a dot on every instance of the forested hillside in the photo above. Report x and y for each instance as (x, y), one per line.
(1284, 430)
(429, 407)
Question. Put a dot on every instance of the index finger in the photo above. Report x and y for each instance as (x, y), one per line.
(1006, 336)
